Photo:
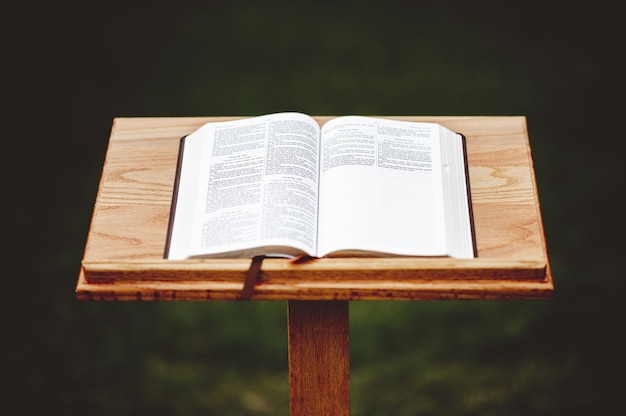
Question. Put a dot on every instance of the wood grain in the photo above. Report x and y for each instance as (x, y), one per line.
(319, 358)
(124, 250)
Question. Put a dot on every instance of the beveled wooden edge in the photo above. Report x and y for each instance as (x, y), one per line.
(326, 269)
(317, 289)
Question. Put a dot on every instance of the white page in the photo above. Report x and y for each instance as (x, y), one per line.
(248, 184)
(381, 189)
(456, 201)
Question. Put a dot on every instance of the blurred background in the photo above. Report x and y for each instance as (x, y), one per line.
(68, 68)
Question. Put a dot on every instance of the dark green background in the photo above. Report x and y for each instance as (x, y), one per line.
(69, 68)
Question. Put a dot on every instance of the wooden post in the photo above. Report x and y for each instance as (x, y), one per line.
(319, 358)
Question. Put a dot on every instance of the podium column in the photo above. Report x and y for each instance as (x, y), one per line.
(319, 358)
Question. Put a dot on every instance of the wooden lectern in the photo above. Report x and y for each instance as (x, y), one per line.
(123, 257)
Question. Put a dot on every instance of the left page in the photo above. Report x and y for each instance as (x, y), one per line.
(248, 187)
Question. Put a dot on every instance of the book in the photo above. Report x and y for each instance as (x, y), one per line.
(281, 185)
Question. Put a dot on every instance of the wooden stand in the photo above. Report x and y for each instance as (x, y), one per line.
(319, 358)
(124, 251)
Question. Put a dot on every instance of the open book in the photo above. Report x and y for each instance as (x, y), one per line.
(280, 185)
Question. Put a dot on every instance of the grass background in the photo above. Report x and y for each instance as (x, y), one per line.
(70, 67)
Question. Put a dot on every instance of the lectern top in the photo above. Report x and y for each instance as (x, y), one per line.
(124, 251)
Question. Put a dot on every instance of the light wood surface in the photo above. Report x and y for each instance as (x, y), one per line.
(123, 257)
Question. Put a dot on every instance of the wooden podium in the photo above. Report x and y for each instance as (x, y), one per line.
(123, 257)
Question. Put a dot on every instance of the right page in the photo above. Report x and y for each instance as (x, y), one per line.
(385, 189)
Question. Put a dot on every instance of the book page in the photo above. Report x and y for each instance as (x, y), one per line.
(248, 187)
(457, 205)
(381, 188)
